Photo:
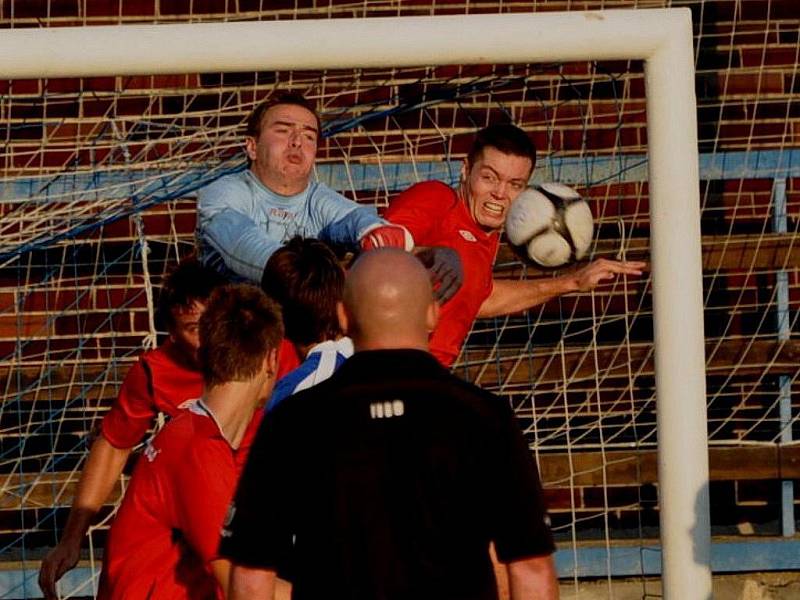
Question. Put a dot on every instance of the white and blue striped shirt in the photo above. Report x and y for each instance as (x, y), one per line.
(320, 363)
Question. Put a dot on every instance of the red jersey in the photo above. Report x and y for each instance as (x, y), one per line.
(156, 383)
(159, 383)
(436, 216)
(167, 530)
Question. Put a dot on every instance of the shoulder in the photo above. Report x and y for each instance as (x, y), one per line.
(139, 378)
(161, 362)
(229, 181)
(191, 458)
(190, 438)
(158, 355)
(456, 396)
(434, 186)
(344, 346)
(293, 380)
(233, 184)
(319, 190)
(482, 401)
(170, 445)
(299, 407)
(433, 190)
(184, 428)
(427, 194)
(139, 370)
(288, 383)
(321, 197)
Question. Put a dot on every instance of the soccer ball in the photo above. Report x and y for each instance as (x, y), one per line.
(553, 221)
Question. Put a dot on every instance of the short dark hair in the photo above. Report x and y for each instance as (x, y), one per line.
(255, 118)
(237, 330)
(306, 279)
(183, 285)
(506, 138)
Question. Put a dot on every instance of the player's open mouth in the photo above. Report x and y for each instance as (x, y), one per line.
(494, 209)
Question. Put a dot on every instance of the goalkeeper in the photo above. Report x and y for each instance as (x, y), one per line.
(242, 218)
(469, 220)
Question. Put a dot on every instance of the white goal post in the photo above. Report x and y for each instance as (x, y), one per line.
(661, 37)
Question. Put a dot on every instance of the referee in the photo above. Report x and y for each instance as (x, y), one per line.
(390, 479)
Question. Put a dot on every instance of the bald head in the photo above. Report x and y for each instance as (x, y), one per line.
(388, 301)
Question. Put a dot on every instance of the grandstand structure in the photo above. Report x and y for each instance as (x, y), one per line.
(97, 184)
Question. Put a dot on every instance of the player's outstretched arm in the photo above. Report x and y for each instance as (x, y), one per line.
(533, 579)
(243, 246)
(103, 467)
(511, 296)
(248, 583)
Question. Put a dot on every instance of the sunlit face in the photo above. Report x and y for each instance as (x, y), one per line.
(185, 331)
(492, 183)
(282, 155)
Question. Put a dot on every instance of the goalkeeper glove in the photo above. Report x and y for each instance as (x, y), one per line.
(446, 271)
(387, 236)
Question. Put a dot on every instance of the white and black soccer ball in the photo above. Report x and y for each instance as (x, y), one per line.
(553, 221)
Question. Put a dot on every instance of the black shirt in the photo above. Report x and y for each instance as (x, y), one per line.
(391, 477)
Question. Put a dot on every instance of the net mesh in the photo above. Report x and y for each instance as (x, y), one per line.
(97, 200)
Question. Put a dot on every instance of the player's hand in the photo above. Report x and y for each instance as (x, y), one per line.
(593, 274)
(58, 561)
(446, 271)
(387, 236)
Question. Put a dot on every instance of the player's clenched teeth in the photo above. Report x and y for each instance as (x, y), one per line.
(494, 208)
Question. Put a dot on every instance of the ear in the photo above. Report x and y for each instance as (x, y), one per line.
(250, 147)
(341, 315)
(464, 169)
(271, 362)
(432, 316)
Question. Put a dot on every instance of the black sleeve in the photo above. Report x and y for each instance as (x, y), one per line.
(521, 526)
(258, 529)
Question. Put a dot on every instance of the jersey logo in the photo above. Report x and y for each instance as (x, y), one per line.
(280, 214)
(467, 235)
(387, 409)
(150, 452)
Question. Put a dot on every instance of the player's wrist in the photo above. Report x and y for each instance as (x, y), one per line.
(71, 543)
(569, 284)
(78, 523)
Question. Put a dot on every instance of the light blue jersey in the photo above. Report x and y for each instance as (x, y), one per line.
(240, 222)
(320, 363)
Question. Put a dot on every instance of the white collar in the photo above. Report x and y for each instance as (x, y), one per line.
(199, 407)
(343, 345)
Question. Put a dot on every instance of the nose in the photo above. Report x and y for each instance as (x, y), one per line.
(501, 190)
(295, 139)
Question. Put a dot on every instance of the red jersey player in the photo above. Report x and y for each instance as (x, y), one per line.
(164, 380)
(163, 542)
(469, 220)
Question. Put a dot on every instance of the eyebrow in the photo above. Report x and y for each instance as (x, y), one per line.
(294, 124)
(521, 179)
